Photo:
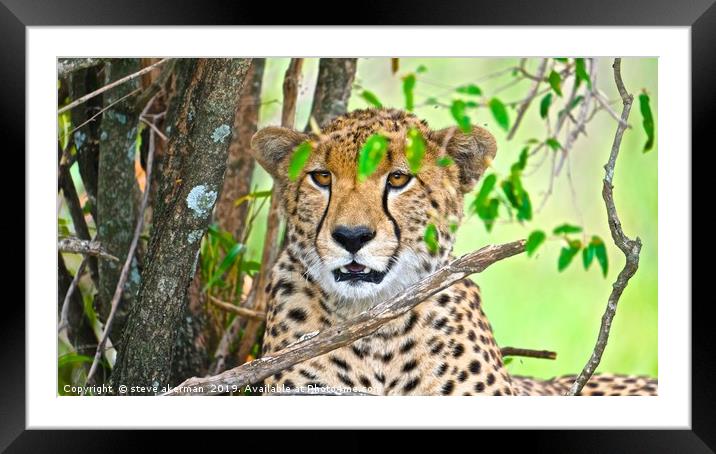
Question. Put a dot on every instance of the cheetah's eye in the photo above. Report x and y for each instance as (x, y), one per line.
(322, 178)
(397, 180)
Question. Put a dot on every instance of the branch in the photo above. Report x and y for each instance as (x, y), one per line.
(117, 82)
(364, 324)
(238, 310)
(526, 103)
(128, 262)
(512, 351)
(630, 248)
(84, 247)
(64, 313)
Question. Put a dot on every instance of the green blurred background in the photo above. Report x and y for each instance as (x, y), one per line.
(529, 303)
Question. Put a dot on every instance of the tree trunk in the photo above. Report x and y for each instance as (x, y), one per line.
(117, 191)
(240, 166)
(200, 141)
(198, 336)
(333, 88)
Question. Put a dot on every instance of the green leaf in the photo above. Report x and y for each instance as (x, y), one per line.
(444, 161)
(371, 98)
(298, 159)
(535, 239)
(555, 81)
(370, 155)
(566, 228)
(562, 60)
(470, 89)
(458, 113)
(600, 251)
(421, 69)
(487, 185)
(489, 212)
(507, 361)
(228, 261)
(222, 236)
(499, 111)
(553, 144)
(581, 72)
(587, 256)
(524, 212)
(432, 101)
(567, 254)
(250, 267)
(521, 163)
(408, 87)
(73, 358)
(431, 238)
(414, 150)
(544, 105)
(648, 121)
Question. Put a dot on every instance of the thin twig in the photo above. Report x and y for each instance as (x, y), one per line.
(257, 298)
(512, 351)
(238, 310)
(84, 247)
(526, 103)
(131, 93)
(630, 248)
(117, 82)
(128, 262)
(64, 313)
(364, 324)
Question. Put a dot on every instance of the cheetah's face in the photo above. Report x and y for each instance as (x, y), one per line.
(363, 241)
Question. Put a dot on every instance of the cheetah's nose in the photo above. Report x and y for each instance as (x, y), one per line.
(353, 238)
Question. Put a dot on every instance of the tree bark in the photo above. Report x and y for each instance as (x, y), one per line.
(200, 142)
(117, 190)
(201, 331)
(240, 165)
(333, 88)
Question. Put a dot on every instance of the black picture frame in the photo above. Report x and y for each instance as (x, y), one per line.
(700, 15)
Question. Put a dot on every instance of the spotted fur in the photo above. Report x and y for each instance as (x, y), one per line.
(444, 346)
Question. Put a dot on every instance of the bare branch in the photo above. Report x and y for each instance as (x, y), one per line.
(364, 324)
(238, 310)
(630, 248)
(64, 312)
(85, 247)
(526, 103)
(117, 82)
(544, 354)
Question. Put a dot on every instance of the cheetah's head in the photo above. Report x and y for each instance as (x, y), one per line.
(365, 241)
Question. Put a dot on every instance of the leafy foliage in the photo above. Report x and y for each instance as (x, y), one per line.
(431, 238)
(415, 150)
(647, 120)
(298, 160)
(370, 155)
(499, 111)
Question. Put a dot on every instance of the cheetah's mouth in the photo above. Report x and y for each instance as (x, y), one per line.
(354, 272)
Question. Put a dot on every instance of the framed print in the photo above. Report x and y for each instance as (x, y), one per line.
(449, 220)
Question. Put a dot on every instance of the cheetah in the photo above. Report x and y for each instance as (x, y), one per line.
(351, 244)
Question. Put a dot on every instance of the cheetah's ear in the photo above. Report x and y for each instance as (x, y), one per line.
(472, 152)
(272, 146)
